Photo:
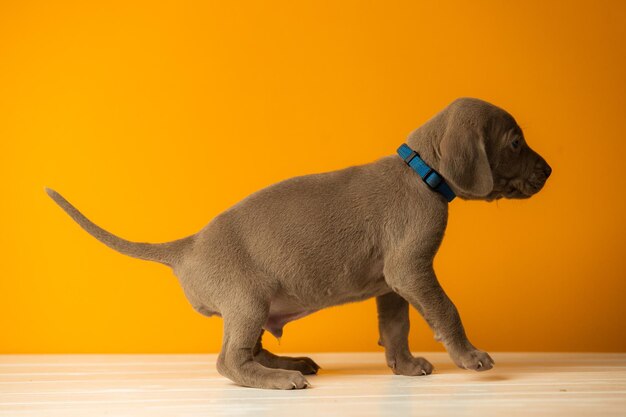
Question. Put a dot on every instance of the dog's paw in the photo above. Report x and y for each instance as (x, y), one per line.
(287, 380)
(475, 360)
(412, 367)
(306, 365)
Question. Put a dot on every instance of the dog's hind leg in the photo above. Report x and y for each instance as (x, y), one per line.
(242, 326)
(266, 358)
(393, 325)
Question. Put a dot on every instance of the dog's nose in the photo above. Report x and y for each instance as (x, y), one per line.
(547, 170)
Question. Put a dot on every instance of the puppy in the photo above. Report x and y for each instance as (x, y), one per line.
(320, 240)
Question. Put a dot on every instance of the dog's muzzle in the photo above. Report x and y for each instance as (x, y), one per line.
(538, 178)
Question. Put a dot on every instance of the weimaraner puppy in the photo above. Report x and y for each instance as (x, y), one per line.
(322, 240)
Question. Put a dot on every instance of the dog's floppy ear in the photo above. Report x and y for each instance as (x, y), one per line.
(464, 161)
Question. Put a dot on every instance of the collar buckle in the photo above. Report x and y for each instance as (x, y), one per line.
(431, 177)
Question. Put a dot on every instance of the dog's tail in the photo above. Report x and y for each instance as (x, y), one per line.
(166, 253)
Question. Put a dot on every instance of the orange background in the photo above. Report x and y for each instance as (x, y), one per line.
(154, 117)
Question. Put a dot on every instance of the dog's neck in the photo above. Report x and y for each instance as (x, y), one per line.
(425, 141)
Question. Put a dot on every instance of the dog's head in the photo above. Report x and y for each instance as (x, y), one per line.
(482, 153)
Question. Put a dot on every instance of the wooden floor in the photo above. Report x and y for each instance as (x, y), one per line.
(537, 385)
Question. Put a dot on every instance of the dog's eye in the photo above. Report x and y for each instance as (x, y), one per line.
(515, 144)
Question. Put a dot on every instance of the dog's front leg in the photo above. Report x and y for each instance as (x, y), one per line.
(416, 282)
(393, 325)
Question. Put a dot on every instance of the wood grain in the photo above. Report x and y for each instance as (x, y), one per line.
(356, 384)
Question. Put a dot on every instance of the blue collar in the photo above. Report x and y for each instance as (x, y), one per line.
(429, 175)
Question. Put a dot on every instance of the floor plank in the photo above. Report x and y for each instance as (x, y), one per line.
(350, 384)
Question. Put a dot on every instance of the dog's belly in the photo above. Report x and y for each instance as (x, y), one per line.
(285, 308)
(277, 320)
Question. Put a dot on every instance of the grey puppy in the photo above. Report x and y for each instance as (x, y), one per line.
(321, 240)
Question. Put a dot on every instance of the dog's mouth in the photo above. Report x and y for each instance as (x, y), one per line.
(514, 195)
(514, 189)
(519, 191)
